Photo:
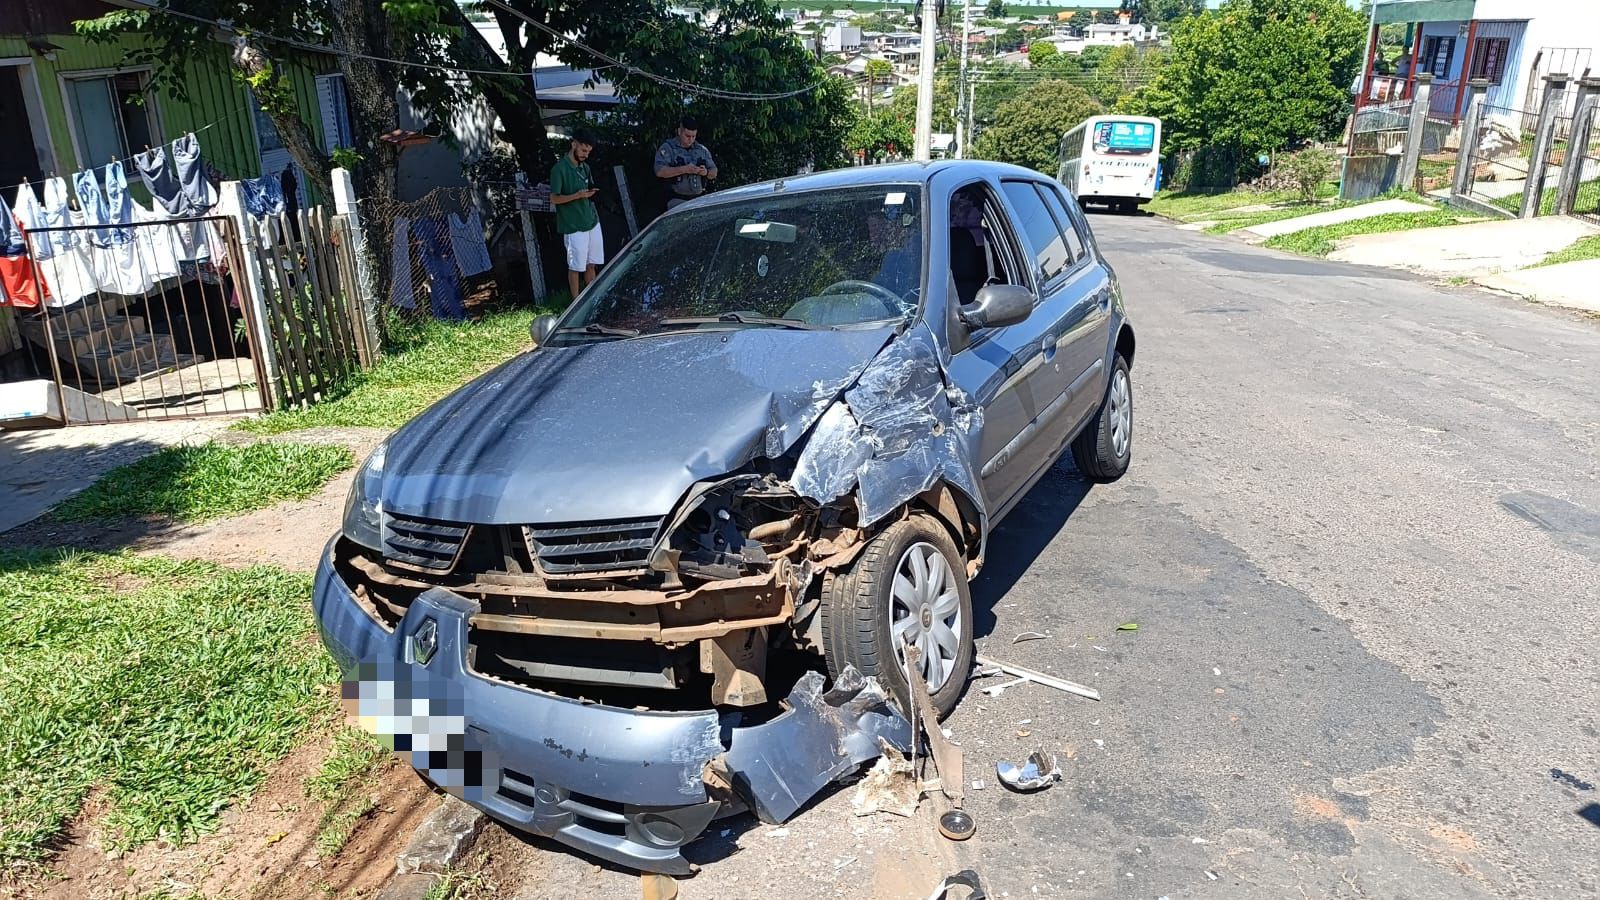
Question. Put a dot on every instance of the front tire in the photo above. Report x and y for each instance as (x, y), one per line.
(908, 583)
(1104, 449)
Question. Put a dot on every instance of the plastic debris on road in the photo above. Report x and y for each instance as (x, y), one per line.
(1037, 773)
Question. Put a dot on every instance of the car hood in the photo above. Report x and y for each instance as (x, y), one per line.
(617, 429)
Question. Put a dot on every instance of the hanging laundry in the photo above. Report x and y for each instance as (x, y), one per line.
(61, 259)
(158, 244)
(262, 196)
(161, 180)
(118, 264)
(466, 239)
(401, 291)
(19, 283)
(191, 173)
(444, 291)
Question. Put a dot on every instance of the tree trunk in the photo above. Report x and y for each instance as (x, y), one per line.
(510, 96)
(297, 138)
(372, 88)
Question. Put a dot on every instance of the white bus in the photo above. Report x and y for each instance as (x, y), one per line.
(1112, 160)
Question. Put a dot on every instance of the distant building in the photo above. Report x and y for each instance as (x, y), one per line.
(1118, 34)
(841, 39)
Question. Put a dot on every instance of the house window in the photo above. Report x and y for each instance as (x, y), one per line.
(1436, 53)
(112, 115)
(1489, 58)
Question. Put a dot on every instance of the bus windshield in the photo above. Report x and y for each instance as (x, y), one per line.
(1122, 138)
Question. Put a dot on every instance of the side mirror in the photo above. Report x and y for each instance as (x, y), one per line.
(997, 306)
(541, 328)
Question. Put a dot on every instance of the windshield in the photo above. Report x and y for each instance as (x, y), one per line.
(806, 260)
(1124, 138)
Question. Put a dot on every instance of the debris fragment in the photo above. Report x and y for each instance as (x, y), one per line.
(1060, 684)
(890, 786)
(1216, 671)
(847, 861)
(1039, 771)
(965, 878)
(977, 784)
(778, 832)
(996, 690)
(1212, 875)
(1128, 626)
(658, 887)
(957, 825)
(1029, 636)
(984, 672)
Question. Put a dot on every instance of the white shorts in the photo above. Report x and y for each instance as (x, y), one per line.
(584, 249)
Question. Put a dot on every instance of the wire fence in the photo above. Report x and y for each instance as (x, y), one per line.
(436, 260)
(1501, 158)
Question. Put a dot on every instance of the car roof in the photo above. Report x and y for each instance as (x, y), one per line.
(865, 176)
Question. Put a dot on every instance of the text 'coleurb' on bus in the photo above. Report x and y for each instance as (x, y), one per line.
(1112, 160)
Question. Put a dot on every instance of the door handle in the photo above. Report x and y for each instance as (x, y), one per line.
(1049, 348)
(1104, 298)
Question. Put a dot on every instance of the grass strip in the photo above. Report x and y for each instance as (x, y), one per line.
(173, 686)
(424, 362)
(1585, 248)
(1320, 241)
(198, 483)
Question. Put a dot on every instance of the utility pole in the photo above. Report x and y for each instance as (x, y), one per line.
(972, 99)
(961, 82)
(923, 139)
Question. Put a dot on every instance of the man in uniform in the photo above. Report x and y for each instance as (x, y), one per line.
(684, 165)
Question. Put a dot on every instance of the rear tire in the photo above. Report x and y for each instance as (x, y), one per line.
(1105, 447)
(909, 582)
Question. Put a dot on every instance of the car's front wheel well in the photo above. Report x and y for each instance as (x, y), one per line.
(1125, 343)
(959, 516)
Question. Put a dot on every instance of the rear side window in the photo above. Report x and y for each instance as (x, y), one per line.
(1038, 228)
(1052, 197)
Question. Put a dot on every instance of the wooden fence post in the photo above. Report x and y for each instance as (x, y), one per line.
(251, 288)
(627, 201)
(344, 203)
(530, 246)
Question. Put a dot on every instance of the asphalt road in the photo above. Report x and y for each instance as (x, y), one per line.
(1361, 543)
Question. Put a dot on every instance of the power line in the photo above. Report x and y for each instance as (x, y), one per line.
(687, 87)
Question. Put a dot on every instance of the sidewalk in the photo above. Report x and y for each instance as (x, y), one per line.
(1575, 284)
(1471, 250)
(1258, 233)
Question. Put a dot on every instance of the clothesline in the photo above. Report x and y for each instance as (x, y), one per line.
(51, 174)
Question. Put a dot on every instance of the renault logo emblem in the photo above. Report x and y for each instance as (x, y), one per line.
(424, 642)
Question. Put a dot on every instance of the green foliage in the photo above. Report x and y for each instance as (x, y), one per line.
(425, 361)
(1259, 75)
(1305, 172)
(881, 135)
(1320, 241)
(207, 481)
(1027, 130)
(904, 104)
(346, 157)
(1587, 248)
(173, 686)
(1040, 51)
(995, 9)
(1163, 12)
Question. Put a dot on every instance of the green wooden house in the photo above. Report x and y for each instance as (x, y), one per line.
(69, 104)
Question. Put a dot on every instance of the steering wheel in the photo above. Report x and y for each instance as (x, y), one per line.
(894, 303)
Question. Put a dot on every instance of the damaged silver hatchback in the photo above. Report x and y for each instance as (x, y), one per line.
(664, 567)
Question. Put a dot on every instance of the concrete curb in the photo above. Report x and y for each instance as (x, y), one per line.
(442, 839)
(440, 842)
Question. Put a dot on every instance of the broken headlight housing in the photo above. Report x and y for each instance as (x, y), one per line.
(730, 528)
(363, 508)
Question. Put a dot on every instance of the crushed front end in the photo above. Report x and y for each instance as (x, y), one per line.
(612, 685)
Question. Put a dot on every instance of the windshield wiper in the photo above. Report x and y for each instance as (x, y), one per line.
(597, 328)
(742, 319)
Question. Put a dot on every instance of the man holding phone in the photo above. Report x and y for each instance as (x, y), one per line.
(571, 190)
(684, 165)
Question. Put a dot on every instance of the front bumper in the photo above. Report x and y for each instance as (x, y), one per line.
(625, 785)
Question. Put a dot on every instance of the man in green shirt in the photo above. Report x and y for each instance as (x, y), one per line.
(571, 187)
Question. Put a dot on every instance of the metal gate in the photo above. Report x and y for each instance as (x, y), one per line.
(142, 321)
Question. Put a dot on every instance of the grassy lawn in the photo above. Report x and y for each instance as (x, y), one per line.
(1319, 241)
(1235, 222)
(1587, 248)
(172, 686)
(424, 362)
(1199, 206)
(208, 481)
